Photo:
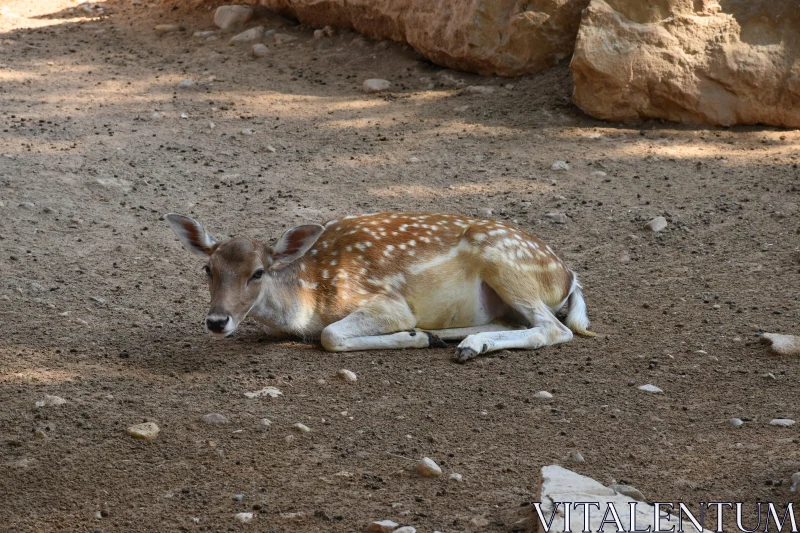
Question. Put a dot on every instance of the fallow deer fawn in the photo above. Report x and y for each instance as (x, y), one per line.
(393, 280)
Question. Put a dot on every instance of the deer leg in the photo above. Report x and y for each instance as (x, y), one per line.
(377, 328)
(457, 334)
(546, 330)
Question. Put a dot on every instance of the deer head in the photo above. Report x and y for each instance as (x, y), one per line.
(241, 272)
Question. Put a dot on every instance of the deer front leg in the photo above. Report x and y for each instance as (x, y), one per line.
(547, 330)
(376, 328)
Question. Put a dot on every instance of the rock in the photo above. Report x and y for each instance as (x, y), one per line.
(479, 89)
(485, 212)
(50, 401)
(375, 85)
(543, 395)
(248, 36)
(259, 50)
(561, 485)
(649, 388)
(577, 457)
(214, 419)
(227, 17)
(330, 31)
(629, 491)
(145, 431)
(266, 422)
(319, 34)
(188, 83)
(237, 497)
(382, 526)
(302, 428)
(405, 529)
(479, 521)
(657, 224)
(724, 63)
(347, 375)
(427, 467)
(272, 392)
(204, 34)
(783, 422)
(243, 517)
(795, 481)
(456, 477)
(485, 36)
(556, 217)
(559, 165)
(736, 422)
(599, 174)
(283, 38)
(166, 28)
(782, 344)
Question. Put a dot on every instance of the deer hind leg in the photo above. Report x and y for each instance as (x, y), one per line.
(546, 330)
(375, 327)
(457, 334)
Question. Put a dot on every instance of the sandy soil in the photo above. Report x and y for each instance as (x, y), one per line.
(101, 306)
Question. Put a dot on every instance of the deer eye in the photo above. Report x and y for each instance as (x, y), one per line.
(257, 275)
(207, 270)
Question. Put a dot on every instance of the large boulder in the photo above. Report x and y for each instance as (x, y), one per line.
(720, 62)
(505, 37)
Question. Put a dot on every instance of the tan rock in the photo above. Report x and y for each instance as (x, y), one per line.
(720, 62)
(145, 431)
(781, 344)
(504, 37)
(228, 17)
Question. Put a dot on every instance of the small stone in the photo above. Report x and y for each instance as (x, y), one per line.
(146, 431)
(413, 159)
(485, 212)
(769, 375)
(427, 467)
(203, 34)
(283, 38)
(226, 17)
(272, 392)
(166, 28)
(578, 457)
(302, 428)
(259, 50)
(478, 89)
(293, 516)
(649, 388)
(347, 375)
(598, 174)
(375, 85)
(405, 529)
(237, 497)
(319, 34)
(243, 517)
(27, 205)
(559, 165)
(557, 217)
(270, 148)
(629, 491)
(188, 83)
(795, 481)
(214, 419)
(782, 344)
(543, 395)
(98, 515)
(456, 477)
(657, 224)
(248, 36)
(479, 521)
(51, 401)
(783, 422)
(736, 422)
(330, 31)
(382, 526)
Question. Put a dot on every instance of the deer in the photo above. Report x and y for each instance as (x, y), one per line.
(391, 281)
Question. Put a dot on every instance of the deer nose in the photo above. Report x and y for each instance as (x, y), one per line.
(217, 323)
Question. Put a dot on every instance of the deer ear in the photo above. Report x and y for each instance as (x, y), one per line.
(192, 234)
(294, 243)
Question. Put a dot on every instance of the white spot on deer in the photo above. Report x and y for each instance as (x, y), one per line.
(325, 274)
(480, 237)
(325, 244)
(498, 232)
(348, 248)
(368, 244)
(404, 227)
(306, 285)
(313, 252)
(412, 242)
(303, 267)
(402, 246)
(362, 271)
(333, 263)
(439, 260)
(412, 253)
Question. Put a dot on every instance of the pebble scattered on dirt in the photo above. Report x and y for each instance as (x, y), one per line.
(374, 85)
(782, 422)
(347, 375)
(657, 224)
(427, 467)
(214, 419)
(650, 388)
(144, 431)
(382, 526)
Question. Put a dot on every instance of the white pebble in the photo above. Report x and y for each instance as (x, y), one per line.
(283, 38)
(375, 85)
(405, 529)
(657, 224)
(146, 431)
(188, 83)
(413, 159)
(783, 422)
(214, 418)
(382, 526)
(164, 28)
(578, 457)
(319, 34)
(736, 422)
(456, 477)
(479, 89)
(266, 422)
(272, 392)
(650, 388)
(543, 394)
(203, 34)
(559, 165)
(243, 517)
(248, 36)
(226, 17)
(302, 428)
(51, 401)
(598, 174)
(347, 375)
(795, 481)
(259, 50)
(485, 212)
(427, 467)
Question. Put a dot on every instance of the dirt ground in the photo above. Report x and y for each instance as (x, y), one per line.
(101, 306)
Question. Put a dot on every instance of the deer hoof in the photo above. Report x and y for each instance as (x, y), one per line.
(434, 341)
(465, 354)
